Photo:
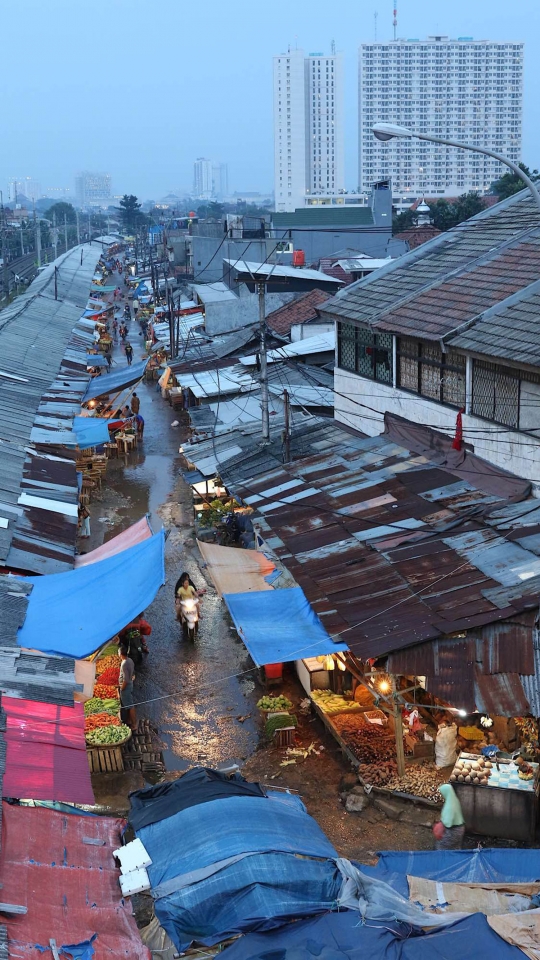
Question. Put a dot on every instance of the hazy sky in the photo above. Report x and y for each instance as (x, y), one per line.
(140, 89)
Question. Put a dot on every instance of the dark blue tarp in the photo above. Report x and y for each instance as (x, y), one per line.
(96, 360)
(90, 431)
(74, 613)
(343, 936)
(238, 864)
(489, 865)
(279, 625)
(115, 381)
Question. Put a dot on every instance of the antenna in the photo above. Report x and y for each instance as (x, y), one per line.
(375, 18)
(333, 48)
(394, 21)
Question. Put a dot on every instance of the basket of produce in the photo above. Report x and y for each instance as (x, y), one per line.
(106, 663)
(333, 704)
(274, 704)
(279, 721)
(106, 691)
(97, 705)
(113, 735)
(95, 720)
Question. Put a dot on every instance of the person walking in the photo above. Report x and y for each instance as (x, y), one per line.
(135, 403)
(125, 686)
(129, 353)
(83, 521)
(450, 829)
(135, 307)
(108, 357)
(139, 424)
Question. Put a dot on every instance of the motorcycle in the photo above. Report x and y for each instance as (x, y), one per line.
(189, 617)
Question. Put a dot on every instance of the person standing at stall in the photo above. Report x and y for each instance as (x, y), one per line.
(135, 403)
(125, 685)
(450, 829)
(84, 521)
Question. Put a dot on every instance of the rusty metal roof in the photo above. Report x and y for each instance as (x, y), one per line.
(383, 542)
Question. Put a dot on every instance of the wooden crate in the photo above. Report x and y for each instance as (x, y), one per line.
(105, 759)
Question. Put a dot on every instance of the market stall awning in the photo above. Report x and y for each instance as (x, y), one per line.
(46, 751)
(279, 625)
(115, 381)
(98, 288)
(96, 360)
(128, 538)
(74, 613)
(60, 866)
(90, 431)
(236, 571)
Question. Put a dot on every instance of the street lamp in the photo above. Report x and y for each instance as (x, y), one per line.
(389, 131)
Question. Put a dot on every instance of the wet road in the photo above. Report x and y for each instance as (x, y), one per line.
(180, 683)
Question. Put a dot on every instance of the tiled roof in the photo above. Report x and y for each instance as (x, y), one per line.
(451, 279)
(509, 330)
(297, 311)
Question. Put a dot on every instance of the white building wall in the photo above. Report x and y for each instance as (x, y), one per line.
(289, 130)
(516, 452)
(324, 124)
(465, 90)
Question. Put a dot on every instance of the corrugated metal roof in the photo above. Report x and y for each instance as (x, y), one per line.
(372, 554)
(13, 606)
(38, 677)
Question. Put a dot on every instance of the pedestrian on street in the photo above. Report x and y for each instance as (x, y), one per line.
(84, 521)
(139, 423)
(115, 329)
(129, 354)
(125, 685)
(108, 358)
(450, 829)
(135, 403)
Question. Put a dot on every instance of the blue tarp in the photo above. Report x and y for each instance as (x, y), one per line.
(96, 360)
(74, 613)
(489, 865)
(90, 431)
(279, 625)
(343, 936)
(198, 896)
(115, 381)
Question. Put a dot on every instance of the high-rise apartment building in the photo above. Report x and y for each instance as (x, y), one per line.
(308, 128)
(462, 89)
(23, 186)
(210, 179)
(92, 189)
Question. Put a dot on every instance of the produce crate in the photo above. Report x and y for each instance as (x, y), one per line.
(105, 759)
(284, 737)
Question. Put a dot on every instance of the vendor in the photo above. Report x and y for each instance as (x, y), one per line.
(450, 829)
(140, 624)
(125, 684)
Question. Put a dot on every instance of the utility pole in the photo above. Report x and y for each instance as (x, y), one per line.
(56, 283)
(78, 229)
(89, 228)
(287, 431)
(37, 228)
(22, 240)
(65, 233)
(3, 225)
(398, 727)
(264, 372)
(55, 236)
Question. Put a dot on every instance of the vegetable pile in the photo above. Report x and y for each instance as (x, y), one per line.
(110, 676)
(96, 720)
(332, 704)
(369, 743)
(421, 781)
(104, 663)
(106, 692)
(97, 705)
(274, 703)
(104, 736)
(278, 722)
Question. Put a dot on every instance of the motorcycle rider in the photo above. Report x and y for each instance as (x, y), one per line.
(185, 589)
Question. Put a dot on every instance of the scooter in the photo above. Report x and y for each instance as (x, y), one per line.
(189, 618)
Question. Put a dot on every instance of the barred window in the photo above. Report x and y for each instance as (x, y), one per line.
(423, 368)
(507, 396)
(364, 352)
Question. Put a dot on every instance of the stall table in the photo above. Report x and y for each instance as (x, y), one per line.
(506, 807)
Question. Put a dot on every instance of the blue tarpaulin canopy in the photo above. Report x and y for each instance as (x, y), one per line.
(74, 613)
(341, 936)
(90, 431)
(230, 864)
(279, 625)
(96, 360)
(456, 866)
(115, 381)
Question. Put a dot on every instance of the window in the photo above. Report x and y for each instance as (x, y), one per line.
(364, 352)
(423, 368)
(506, 396)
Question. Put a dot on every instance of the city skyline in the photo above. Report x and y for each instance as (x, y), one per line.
(68, 126)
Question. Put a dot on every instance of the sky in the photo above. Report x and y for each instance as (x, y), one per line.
(141, 88)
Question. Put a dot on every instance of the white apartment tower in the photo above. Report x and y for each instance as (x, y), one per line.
(203, 178)
(308, 127)
(465, 90)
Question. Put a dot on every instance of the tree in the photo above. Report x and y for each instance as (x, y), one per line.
(61, 209)
(212, 209)
(446, 214)
(402, 221)
(130, 213)
(510, 183)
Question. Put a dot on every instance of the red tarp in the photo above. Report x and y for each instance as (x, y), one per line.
(128, 538)
(46, 753)
(52, 865)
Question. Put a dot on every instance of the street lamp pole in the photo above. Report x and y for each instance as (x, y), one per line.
(390, 131)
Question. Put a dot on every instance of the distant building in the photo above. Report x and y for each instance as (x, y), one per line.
(465, 90)
(220, 178)
(25, 187)
(308, 127)
(92, 189)
(210, 179)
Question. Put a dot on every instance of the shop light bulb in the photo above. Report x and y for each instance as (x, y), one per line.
(384, 686)
(462, 713)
